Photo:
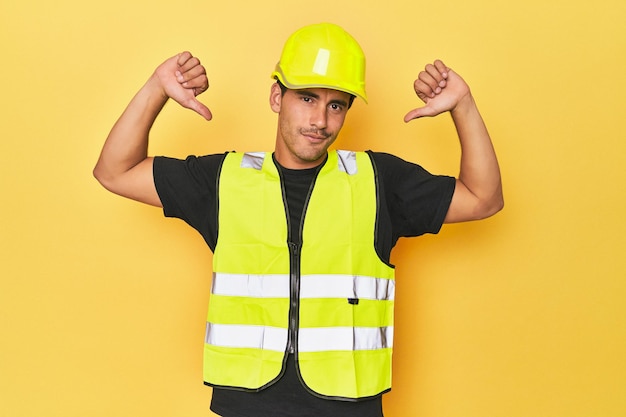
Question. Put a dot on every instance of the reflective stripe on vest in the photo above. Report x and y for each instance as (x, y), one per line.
(310, 339)
(311, 286)
(345, 292)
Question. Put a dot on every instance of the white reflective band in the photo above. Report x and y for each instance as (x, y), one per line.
(244, 285)
(245, 336)
(344, 338)
(253, 160)
(347, 162)
(316, 339)
(311, 286)
(347, 286)
(321, 61)
(346, 159)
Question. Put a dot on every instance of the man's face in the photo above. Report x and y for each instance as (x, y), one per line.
(309, 121)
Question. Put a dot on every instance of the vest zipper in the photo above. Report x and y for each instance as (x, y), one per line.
(295, 249)
(294, 298)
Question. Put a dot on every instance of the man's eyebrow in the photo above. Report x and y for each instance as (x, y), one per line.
(340, 102)
(308, 93)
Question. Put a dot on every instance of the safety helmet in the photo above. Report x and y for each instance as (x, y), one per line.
(322, 56)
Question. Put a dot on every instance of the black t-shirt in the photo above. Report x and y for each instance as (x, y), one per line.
(412, 202)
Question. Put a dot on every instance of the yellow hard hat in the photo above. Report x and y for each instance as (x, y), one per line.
(322, 56)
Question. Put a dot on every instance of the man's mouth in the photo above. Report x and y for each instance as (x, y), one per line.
(315, 134)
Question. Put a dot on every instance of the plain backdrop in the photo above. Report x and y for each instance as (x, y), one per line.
(103, 301)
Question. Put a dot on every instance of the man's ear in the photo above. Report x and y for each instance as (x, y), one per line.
(276, 97)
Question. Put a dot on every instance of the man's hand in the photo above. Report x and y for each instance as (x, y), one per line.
(182, 78)
(440, 88)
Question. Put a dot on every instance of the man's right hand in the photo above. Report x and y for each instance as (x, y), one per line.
(182, 78)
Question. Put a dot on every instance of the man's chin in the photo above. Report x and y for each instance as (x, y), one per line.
(312, 157)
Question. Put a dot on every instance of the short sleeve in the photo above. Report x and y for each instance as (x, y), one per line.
(188, 191)
(417, 201)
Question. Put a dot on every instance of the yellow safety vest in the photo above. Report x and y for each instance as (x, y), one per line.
(335, 290)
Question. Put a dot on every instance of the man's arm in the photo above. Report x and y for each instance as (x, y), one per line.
(478, 192)
(124, 167)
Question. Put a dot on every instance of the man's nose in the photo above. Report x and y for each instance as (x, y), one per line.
(319, 117)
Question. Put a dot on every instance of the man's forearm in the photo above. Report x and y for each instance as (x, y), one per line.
(479, 172)
(127, 143)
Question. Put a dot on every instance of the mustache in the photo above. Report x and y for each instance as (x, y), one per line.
(316, 132)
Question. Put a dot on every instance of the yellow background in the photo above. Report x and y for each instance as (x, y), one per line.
(102, 301)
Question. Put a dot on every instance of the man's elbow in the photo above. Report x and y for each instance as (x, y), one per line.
(101, 175)
(107, 179)
(490, 207)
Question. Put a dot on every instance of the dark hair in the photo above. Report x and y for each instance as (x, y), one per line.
(284, 89)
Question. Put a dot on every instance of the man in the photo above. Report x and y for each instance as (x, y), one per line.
(301, 314)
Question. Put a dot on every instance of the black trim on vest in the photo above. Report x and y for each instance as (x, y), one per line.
(217, 199)
(377, 245)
